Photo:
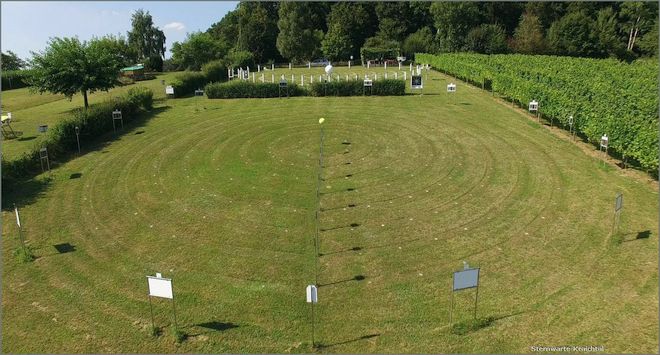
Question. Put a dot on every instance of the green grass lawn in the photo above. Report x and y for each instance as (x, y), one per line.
(220, 195)
(31, 109)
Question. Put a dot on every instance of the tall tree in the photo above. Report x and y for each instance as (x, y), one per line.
(502, 13)
(528, 36)
(609, 41)
(337, 44)
(226, 30)
(257, 29)
(393, 20)
(10, 61)
(198, 49)
(546, 12)
(487, 39)
(638, 17)
(573, 35)
(418, 42)
(648, 43)
(68, 66)
(354, 21)
(300, 34)
(453, 21)
(147, 39)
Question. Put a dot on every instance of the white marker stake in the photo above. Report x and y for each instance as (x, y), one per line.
(312, 297)
(18, 218)
(20, 229)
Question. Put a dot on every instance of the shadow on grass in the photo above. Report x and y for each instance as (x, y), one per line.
(23, 193)
(473, 325)
(354, 278)
(341, 251)
(213, 326)
(639, 235)
(364, 337)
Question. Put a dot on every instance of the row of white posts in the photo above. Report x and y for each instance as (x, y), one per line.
(303, 78)
(309, 66)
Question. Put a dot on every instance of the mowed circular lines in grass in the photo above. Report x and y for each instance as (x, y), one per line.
(220, 195)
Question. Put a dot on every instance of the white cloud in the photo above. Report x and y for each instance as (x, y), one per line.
(177, 26)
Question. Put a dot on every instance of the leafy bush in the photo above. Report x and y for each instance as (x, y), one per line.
(14, 79)
(240, 59)
(93, 122)
(215, 71)
(244, 89)
(141, 96)
(389, 87)
(186, 83)
(384, 87)
(337, 88)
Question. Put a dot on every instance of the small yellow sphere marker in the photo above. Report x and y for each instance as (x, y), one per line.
(321, 120)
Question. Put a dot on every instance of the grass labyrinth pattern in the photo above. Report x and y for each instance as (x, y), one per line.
(220, 196)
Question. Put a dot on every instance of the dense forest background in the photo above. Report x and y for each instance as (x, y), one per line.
(265, 32)
(298, 32)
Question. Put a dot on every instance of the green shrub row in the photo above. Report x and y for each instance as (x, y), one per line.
(14, 79)
(384, 87)
(605, 96)
(187, 82)
(243, 89)
(93, 122)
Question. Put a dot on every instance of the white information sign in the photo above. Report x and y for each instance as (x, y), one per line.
(160, 287)
(451, 87)
(312, 294)
(468, 278)
(169, 90)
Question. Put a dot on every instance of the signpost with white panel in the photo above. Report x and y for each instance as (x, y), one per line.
(463, 280)
(161, 287)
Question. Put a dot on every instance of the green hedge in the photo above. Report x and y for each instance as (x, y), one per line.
(93, 122)
(383, 87)
(215, 71)
(14, 79)
(243, 89)
(603, 95)
(336, 88)
(186, 83)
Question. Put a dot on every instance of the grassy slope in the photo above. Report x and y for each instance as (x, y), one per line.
(220, 195)
(29, 110)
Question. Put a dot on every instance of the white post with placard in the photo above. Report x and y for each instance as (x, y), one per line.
(169, 90)
(463, 280)
(604, 143)
(284, 85)
(312, 298)
(534, 107)
(416, 83)
(43, 158)
(367, 83)
(117, 116)
(161, 287)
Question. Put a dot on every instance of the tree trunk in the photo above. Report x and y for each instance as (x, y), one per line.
(632, 45)
(630, 38)
(84, 92)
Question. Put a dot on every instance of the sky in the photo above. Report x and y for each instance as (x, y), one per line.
(27, 25)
